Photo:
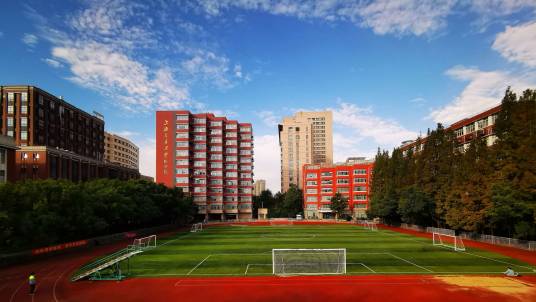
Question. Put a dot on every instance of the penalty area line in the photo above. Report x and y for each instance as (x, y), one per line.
(195, 267)
(421, 267)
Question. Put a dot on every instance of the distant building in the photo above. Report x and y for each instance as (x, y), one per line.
(120, 150)
(147, 178)
(478, 126)
(7, 158)
(305, 138)
(322, 181)
(258, 186)
(55, 138)
(210, 157)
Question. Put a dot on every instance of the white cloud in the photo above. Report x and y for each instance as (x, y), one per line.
(404, 16)
(132, 84)
(485, 90)
(490, 10)
(268, 117)
(267, 161)
(518, 43)
(53, 63)
(126, 133)
(138, 62)
(362, 123)
(30, 39)
(147, 156)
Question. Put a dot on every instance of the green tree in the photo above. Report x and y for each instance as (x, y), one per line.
(339, 205)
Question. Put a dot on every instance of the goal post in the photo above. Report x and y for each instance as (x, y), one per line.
(308, 261)
(369, 225)
(145, 242)
(196, 227)
(448, 240)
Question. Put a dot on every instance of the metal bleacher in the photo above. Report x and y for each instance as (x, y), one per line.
(93, 270)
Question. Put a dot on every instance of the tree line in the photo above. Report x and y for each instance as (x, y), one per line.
(280, 205)
(45, 212)
(485, 189)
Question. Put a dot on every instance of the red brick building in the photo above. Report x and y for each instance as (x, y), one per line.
(351, 179)
(54, 138)
(211, 157)
(466, 130)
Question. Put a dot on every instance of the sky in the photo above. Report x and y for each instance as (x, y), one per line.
(388, 70)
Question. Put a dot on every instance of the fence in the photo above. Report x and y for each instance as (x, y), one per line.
(505, 241)
(24, 256)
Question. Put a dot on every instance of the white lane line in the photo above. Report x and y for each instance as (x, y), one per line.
(39, 283)
(58, 279)
(363, 264)
(421, 267)
(17, 290)
(195, 267)
(247, 268)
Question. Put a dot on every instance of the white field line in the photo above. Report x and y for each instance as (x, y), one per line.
(195, 267)
(465, 252)
(188, 234)
(255, 264)
(421, 267)
(368, 268)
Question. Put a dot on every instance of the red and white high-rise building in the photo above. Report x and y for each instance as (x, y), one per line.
(210, 157)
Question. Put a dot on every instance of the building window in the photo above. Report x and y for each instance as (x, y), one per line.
(360, 189)
(182, 126)
(181, 180)
(24, 135)
(360, 197)
(199, 121)
(343, 181)
(343, 173)
(312, 191)
(181, 135)
(181, 171)
(181, 153)
(312, 175)
(470, 128)
(182, 117)
(327, 190)
(343, 190)
(312, 198)
(326, 198)
(360, 172)
(230, 126)
(181, 144)
(326, 174)
(216, 123)
(360, 180)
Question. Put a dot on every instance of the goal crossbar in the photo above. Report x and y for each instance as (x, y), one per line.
(308, 261)
(448, 240)
(145, 242)
(196, 227)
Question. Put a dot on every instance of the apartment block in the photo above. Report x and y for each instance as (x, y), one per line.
(210, 157)
(54, 139)
(305, 138)
(322, 181)
(466, 130)
(121, 151)
(259, 186)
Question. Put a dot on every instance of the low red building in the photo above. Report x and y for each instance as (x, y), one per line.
(321, 182)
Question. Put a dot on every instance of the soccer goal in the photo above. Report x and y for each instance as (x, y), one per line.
(447, 240)
(369, 225)
(196, 227)
(308, 261)
(145, 242)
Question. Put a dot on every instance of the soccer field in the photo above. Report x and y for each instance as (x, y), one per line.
(247, 251)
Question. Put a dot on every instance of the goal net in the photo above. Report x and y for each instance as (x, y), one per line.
(369, 225)
(145, 242)
(448, 240)
(308, 261)
(196, 227)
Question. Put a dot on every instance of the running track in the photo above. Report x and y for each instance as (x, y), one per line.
(54, 285)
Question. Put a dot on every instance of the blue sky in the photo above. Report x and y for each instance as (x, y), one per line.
(387, 69)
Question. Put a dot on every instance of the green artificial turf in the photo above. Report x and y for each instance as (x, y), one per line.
(247, 251)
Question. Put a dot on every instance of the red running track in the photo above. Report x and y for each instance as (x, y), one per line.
(54, 285)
